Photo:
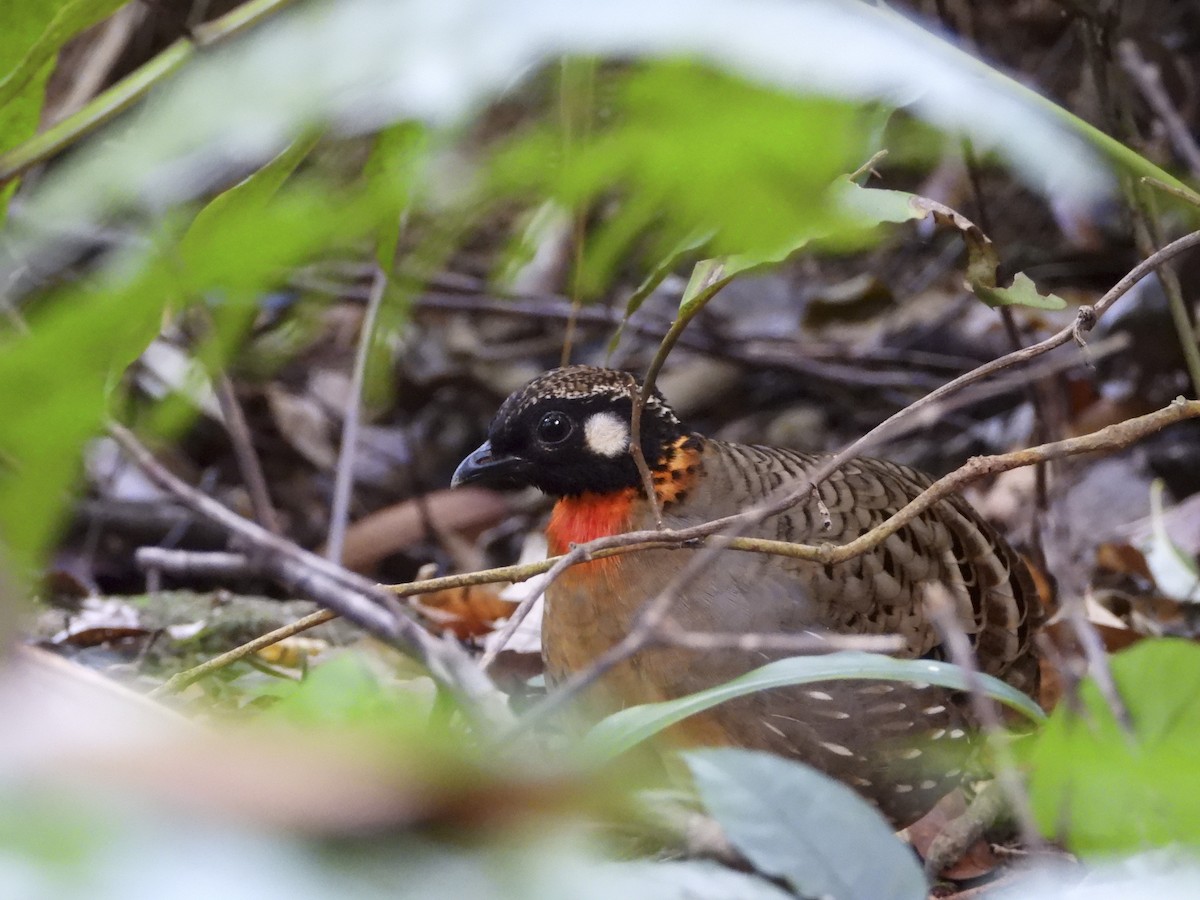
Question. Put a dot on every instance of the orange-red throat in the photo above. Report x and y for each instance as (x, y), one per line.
(576, 520)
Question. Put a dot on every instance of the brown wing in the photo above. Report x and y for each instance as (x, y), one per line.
(882, 591)
(875, 737)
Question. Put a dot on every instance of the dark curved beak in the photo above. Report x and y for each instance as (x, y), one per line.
(482, 467)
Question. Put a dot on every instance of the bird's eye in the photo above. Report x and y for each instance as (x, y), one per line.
(554, 428)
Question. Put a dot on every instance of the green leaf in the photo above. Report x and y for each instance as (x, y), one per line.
(345, 693)
(1101, 790)
(875, 206)
(697, 152)
(708, 277)
(1022, 292)
(629, 727)
(34, 31)
(251, 193)
(794, 823)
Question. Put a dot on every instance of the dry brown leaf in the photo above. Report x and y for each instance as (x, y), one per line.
(466, 611)
(1122, 559)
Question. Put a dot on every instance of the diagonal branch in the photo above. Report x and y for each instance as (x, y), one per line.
(366, 604)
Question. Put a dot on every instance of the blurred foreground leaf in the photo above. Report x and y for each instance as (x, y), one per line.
(33, 32)
(57, 378)
(793, 822)
(434, 61)
(1103, 791)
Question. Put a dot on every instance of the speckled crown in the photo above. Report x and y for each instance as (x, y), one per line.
(581, 383)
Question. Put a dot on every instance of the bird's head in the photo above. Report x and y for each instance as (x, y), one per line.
(568, 433)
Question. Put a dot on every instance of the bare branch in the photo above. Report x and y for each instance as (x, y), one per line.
(1114, 437)
(356, 598)
(651, 618)
(195, 563)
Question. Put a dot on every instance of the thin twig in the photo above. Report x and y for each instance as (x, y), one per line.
(713, 282)
(1113, 437)
(555, 566)
(1180, 192)
(576, 104)
(1148, 234)
(1149, 82)
(1120, 118)
(1097, 663)
(939, 606)
(103, 54)
(657, 631)
(674, 538)
(243, 451)
(181, 680)
(343, 484)
(1035, 389)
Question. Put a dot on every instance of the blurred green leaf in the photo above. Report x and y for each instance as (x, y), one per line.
(708, 277)
(249, 194)
(93, 330)
(701, 152)
(31, 36)
(793, 822)
(629, 727)
(683, 250)
(34, 31)
(398, 158)
(346, 693)
(1103, 791)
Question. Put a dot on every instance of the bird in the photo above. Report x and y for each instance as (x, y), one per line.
(901, 746)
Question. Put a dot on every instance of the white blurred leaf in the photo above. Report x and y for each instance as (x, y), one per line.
(437, 60)
(1174, 571)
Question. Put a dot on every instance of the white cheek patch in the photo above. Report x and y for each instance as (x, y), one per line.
(606, 434)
